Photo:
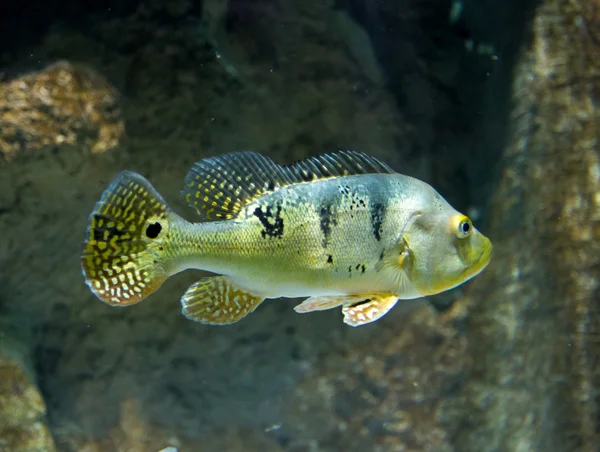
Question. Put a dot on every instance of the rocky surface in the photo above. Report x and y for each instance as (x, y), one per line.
(170, 83)
(534, 318)
(384, 392)
(299, 93)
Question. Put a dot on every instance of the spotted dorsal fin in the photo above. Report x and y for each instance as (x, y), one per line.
(219, 187)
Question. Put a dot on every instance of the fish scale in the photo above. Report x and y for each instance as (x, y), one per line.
(342, 229)
(299, 248)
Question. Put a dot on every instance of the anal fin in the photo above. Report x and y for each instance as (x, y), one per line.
(322, 303)
(217, 301)
(358, 309)
(371, 308)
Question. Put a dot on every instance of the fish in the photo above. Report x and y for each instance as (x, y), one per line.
(339, 230)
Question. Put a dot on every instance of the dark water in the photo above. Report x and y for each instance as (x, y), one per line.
(493, 103)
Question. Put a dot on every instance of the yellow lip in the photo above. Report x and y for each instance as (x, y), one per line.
(482, 261)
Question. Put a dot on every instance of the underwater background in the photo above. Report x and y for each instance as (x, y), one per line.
(493, 103)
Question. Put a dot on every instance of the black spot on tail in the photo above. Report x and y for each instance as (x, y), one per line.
(377, 214)
(271, 220)
(152, 230)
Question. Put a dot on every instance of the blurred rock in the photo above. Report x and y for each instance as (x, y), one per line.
(292, 79)
(299, 92)
(533, 329)
(382, 394)
(63, 103)
(22, 408)
(134, 434)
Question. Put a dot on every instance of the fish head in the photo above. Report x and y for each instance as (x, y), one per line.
(445, 250)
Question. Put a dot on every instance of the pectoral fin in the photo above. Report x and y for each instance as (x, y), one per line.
(217, 301)
(369, 309)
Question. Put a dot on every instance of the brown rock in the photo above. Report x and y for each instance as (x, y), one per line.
(22, 409)
(63, 103)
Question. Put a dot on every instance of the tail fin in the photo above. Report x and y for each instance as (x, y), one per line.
(122, 255)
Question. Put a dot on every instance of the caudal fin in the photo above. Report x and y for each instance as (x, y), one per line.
(123, 252)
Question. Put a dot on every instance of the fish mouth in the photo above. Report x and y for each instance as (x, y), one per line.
(473, 270)
(482, 261)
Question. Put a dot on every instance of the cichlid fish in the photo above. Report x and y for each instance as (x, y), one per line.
(342, 229)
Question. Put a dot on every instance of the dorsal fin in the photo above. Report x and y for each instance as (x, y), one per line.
(337, 164)
(219, 187)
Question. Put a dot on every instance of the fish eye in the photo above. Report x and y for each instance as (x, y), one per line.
(464, 228)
